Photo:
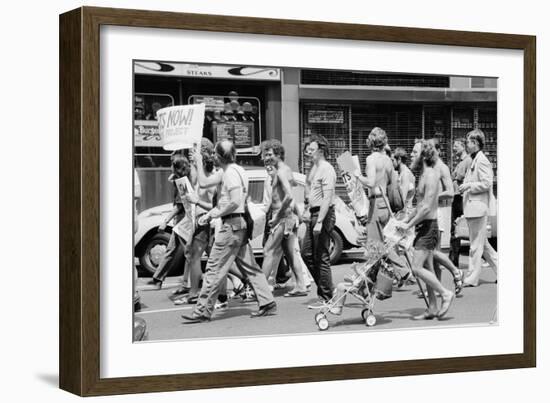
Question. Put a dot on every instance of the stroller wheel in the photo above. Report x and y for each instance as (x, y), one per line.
(371, 320)
(319, 316)
(368, 317)
(323, 323)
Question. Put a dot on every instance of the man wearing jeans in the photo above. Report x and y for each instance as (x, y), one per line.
(231, 243)
(321, 217)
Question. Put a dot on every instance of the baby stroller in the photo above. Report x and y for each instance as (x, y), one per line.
(372, 279)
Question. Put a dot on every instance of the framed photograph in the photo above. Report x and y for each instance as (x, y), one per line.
(373, 158)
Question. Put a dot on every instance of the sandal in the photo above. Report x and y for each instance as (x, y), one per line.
(459, 282)
(296, 293)
(186, 300)
(427, 315)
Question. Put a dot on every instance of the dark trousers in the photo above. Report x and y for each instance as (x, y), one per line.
(174, 255)
(456, 211)
(316, 253)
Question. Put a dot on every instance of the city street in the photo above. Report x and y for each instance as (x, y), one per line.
(474, 306)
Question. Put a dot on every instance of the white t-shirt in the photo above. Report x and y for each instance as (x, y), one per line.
(323, 180)
(234, 177)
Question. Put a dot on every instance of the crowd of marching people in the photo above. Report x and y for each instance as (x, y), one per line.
(217, 219)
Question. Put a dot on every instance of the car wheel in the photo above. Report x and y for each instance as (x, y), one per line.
(153, 251)
(336, 247)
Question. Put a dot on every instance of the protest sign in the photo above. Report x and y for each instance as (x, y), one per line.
(349, 165)
(181, 126)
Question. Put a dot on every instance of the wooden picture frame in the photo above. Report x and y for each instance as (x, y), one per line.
(80, 198)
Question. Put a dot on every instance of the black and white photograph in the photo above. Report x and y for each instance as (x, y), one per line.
(280, 200)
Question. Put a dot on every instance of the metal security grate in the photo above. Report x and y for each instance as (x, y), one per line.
(437, 125)
(332, 122)
(335, 77)
(402, 123)
(487, 122)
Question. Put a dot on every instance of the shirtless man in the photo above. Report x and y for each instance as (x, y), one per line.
(379, 170)
(427, 238)
(284, 223)
(405, 176)
(446, 194)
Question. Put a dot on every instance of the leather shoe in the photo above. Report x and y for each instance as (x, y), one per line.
(268, 309)
(153, 285)
(189, 319)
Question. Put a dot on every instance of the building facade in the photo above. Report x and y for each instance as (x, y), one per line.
(250, 104)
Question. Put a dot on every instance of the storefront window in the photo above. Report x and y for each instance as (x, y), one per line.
(232, 117)
(148, 151)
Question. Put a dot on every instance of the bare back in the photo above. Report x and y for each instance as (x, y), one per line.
(379, 172)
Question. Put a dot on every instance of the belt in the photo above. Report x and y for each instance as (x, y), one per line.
(232, 215)
(316, 209)
(376, 197)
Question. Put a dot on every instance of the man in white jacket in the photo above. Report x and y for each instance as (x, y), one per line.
(479, 202)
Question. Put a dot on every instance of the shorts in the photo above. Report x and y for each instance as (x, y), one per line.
(427, 235)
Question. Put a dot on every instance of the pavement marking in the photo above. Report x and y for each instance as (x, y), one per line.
(184, 308)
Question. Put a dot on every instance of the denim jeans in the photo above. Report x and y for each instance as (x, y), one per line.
(230, 246)
(316, 253)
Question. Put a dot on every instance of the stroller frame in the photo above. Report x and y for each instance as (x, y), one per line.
(361, 287)
(364, 282)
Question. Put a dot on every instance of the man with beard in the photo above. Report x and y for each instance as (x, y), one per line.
(231, 244)
(457, 209)
(424, 218)
(202, 199)
(446, 193)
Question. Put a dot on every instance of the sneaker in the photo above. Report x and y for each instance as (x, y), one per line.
(187, 299)
(248, 294)
(320, 303)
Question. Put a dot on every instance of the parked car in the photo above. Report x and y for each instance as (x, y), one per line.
(150, 244)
